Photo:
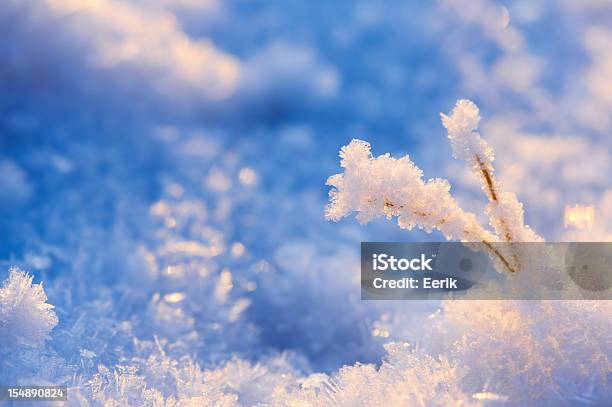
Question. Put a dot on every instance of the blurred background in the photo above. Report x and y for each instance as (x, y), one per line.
(163, 163)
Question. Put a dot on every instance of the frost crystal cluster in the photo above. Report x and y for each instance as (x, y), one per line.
(25, 317)
(385, 186)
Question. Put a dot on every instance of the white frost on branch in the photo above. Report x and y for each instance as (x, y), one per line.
(465, 140)
(385, 186)
(25, 317)
(504, 209)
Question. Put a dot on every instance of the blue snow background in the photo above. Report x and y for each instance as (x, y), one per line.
(162, 215)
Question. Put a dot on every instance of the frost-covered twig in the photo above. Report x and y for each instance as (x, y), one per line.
(385, 186)
(505, 211)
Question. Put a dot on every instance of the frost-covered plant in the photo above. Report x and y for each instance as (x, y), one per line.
(536, 352)
(25, 317)
(504, 210)
(385, 186)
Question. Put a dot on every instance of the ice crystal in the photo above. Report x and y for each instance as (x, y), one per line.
(26, 319)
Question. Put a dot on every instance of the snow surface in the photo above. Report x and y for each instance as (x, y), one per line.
(162, 170)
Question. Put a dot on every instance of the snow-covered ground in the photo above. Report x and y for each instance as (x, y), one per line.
(162, 172)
